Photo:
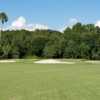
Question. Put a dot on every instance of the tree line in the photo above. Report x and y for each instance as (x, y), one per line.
(80, 41)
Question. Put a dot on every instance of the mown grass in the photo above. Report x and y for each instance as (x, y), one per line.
(28, 81)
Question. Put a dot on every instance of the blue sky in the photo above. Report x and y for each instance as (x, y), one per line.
(54, 13)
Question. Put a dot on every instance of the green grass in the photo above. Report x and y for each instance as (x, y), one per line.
(28, 81)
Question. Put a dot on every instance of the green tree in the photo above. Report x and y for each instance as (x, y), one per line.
(71, 50)
(3, 19)
(55, 46)
(83, 50)
(77, 27)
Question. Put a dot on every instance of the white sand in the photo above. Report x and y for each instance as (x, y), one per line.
(7, 61)
(53, 61)
(93, 62)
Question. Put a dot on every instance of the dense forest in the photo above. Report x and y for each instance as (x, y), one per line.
(80, 41)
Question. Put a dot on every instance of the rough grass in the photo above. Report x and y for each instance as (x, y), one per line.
(28, 81)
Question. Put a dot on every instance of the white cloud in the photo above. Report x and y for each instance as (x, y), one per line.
(39, 26)
(33, 27)
(97, 23)
(70, 23)
(20, 22)
(62, 29)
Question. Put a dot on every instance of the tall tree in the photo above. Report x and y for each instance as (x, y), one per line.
(3, 19)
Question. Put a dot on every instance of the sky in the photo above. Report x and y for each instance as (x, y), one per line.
(54, 14)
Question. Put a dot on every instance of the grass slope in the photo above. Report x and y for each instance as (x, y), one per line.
(28, 81)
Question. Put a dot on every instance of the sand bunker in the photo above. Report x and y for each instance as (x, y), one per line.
(53, 61)
(7, 61)
(93, 62)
